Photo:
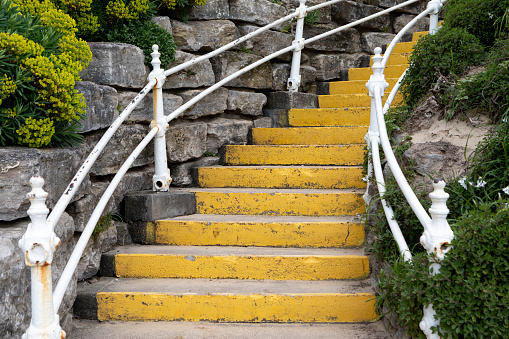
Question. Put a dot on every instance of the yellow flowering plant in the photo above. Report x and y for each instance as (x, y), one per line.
(40, 61)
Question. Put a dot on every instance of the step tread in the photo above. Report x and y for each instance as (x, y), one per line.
(86, 329)
(265, 219)
(250, 251)
(275, 190)
(225, 286)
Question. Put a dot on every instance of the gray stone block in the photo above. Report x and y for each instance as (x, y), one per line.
(345, 12)
(182, 173)
(212, 104)
(116, 64)
(212, 10)
(197, 75)
(329, 66)
(347, 40)
(247, 103)
(164, 22)
(221, 131)
(101, 103)
(402, 20)
(264, 122)
(203, 36)
(281, 73)
(371, 40)
(258, 45)
(259, 12)
(186, 141)
(229, 63)
(18, 164)
(289, 100)
(151, 206)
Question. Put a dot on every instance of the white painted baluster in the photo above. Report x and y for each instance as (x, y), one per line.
(436, 239)
(294, 80)
(433, 19)
(162, 179)
(39, 244)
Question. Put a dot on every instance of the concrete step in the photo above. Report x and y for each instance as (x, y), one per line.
(276, 202)
(395, 59)
(226, 300)
(365, 73)
(353, 100)
(248, 230)
(417, 35)
(404, 47)
(86, 329)
(341, 155)
(281, 177)
(355, 86)
(220, 262)
(310, 135)
(353, 116)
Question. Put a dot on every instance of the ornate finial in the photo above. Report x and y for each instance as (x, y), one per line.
(377, 60)
(302, 2)
(156, 62)
(37, 196)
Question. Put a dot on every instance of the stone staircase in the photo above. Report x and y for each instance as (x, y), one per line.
(277, 238)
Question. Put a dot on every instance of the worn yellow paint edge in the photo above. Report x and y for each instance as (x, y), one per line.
(328, 117)
(241, 267)
(292, 234)
(309, 136)
(280, 203)
(325, 307)
(281, 177)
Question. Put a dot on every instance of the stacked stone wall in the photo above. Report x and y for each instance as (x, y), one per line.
(115, 76)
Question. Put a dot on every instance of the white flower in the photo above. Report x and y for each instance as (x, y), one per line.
(365, 179)
(480, 183)
(506, 190)
(462, 183)
(490, 15)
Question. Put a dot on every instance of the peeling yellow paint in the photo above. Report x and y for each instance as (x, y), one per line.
(328, 117)
(294, 155)
(281, 177)
(310, 136)
(295, 234)
(328, 307)
(280, 203)
(351, 100)
(390, 72)
(355, 86)
(241, 267)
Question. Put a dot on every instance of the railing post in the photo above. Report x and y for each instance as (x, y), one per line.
(376, 79)
(162, 179)
(294, 80)
(38, 245)
(433, 19)
(436, 239)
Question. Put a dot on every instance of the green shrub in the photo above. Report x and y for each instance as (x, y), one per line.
(40, 60)
(478, 17)
(449, 51)
(471, 293)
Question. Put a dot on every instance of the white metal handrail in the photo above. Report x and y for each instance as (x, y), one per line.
(437, 234)
(40, 241)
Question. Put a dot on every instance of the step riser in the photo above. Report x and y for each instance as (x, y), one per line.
(355, 87)
(316, 178)
(329, 117)
(299, 234)
(309, 136)
(395, 59)
(347, 155)
(284, 204)
(236, 308)
(241, 267)
(353, 100)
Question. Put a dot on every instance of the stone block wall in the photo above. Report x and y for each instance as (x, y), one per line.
(115, 76)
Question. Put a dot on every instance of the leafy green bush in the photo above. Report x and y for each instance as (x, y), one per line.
(40, 60)
(471, 293)
(449, 51)
(477, 17)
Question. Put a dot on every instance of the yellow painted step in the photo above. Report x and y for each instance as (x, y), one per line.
(417, 35)
(310, 135)
(404, 47)
(329, 117)
(256, 263)
(232, 300)
(294, 155)
(279, 202)
(281, 177)
(355, 86)
(390, 72)
(395, 59)
(236, 308)
(352, 100)
(212, 230)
